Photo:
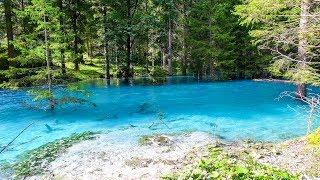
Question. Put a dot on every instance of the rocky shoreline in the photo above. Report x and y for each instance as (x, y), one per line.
(104, 159)
(295, 156)
(273, 80)
(155, 156)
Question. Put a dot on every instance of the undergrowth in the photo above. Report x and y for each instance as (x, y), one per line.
(314, 138)
(221, 165)
(34, 162)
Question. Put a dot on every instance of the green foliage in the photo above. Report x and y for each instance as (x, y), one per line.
(40, 94)
(20, 77)
(314, 138)
(33, 162)
(158, 72)
(221, 165)
(218, 45)
(276, 29)
(3, 59)
(158, 75)
(31, 44)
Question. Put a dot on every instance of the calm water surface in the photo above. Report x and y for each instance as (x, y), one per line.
(230, 110)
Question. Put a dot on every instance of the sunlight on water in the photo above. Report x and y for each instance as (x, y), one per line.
(230, 110)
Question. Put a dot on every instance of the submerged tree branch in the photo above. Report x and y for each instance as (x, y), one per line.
(5, 147)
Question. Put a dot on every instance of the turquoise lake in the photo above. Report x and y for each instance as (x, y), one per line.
(234, 110)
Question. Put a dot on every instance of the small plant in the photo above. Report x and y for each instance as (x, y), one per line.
(35, 161)
(76, 95)
(158, 72)
(158, 139)
(314, 138)
(221, 165)
(144, 140)
(158, 75)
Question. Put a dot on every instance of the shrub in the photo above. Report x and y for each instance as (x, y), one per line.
(221, 165)
(314, 138)
(158, 72)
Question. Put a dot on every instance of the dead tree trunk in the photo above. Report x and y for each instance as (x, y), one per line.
(303, 42)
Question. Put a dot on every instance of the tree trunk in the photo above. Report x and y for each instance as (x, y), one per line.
(184, 43)
(91, 50)
(48, 60)
(128, 72)
(170, 37)
(129, 58)
(9, 29)
(76, 38)
(106, 48)
(146, 53)
(24, 20)
(116, 57)
(62, 50)
(303, 42)
(163, 58)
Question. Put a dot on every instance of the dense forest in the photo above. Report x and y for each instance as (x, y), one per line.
(125, 39)
(61, 41)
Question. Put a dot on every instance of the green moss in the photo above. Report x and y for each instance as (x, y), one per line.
(15, 78)
(34, 162)
(221, 165)
(314, 138)
(144, 140)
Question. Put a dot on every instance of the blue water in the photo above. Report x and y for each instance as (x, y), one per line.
(233, 110)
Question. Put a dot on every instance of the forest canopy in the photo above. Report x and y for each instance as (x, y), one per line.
(222, 39)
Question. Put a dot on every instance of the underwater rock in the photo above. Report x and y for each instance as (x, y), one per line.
(50, 129)
(212, 124)
(108, 117)
(217, 136)
(145, 108)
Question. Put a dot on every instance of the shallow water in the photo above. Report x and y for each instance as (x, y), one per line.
(230, 110)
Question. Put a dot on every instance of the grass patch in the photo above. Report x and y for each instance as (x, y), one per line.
(314, 138)
(87, 71)
(221, 165)
(15, 78)
(34, 162)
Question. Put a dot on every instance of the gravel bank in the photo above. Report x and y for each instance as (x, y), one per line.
(105, 158)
